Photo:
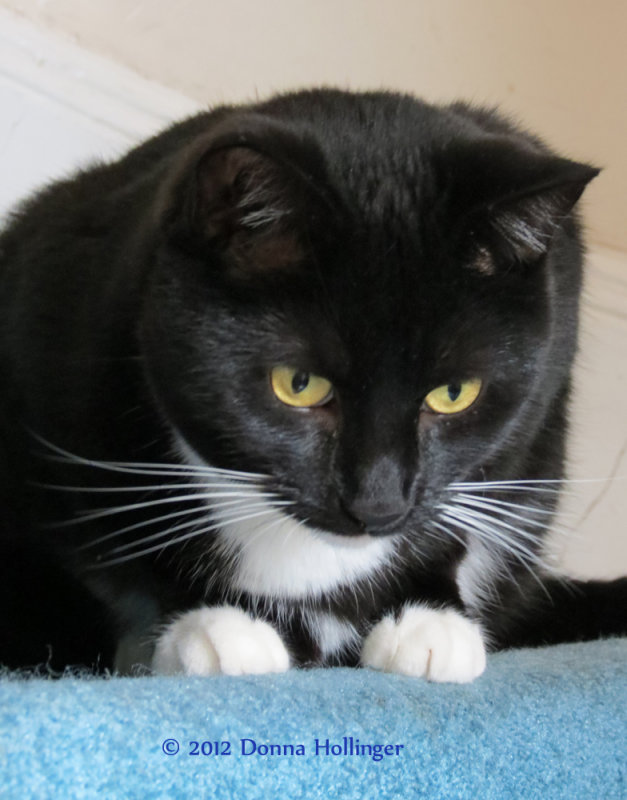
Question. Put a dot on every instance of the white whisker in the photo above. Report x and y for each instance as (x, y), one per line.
(168, 531)
(530, 560)
(491, 519)
(503, 503)
(554, 485)
(155, 536)
(506, 486)
(179, 539)
(137, 526)
(143, 467)
(194, 497)
(447, 531)
(150, 488)
(489, 533)
(161, 470)
(515, 482)
(497, 513)
(202, 512)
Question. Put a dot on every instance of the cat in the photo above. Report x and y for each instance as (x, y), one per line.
(287, 385)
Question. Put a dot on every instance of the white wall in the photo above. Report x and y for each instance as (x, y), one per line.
(62, 106)
(596, 519)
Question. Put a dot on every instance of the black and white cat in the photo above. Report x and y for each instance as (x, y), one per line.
(287, 385)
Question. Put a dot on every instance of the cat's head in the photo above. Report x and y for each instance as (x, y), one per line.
(366, 298)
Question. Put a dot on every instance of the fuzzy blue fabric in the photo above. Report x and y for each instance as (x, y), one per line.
(546, 723)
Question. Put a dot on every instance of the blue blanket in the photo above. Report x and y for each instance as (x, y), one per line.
(547, 723)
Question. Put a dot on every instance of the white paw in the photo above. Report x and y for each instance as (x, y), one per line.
(440, 645)
(219, 640)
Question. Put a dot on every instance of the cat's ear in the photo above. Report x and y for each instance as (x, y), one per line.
(240, 190)
(511, 198)
(247, 206)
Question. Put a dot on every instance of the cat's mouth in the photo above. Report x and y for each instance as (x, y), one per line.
(341, 523)
(379, 525)
(351, 542)
(335, 515)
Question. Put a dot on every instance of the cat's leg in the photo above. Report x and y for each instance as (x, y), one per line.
(219, 639)
(440, 645)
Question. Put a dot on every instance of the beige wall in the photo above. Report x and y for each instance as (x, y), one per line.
(559, 65)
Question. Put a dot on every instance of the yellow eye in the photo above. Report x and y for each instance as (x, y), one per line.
(300, 389)
(454, 397)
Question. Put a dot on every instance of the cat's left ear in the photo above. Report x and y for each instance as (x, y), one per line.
(511, 199)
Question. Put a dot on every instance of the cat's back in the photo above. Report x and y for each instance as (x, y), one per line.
(102, 201)
(76, 242)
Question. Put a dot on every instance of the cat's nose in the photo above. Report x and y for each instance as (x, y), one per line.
(377, 497)
(377, 519)
(379, 524)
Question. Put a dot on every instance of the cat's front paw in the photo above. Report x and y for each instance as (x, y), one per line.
(440, 645)
(220, 639)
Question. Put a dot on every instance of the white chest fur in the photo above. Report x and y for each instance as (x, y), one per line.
(278, 556)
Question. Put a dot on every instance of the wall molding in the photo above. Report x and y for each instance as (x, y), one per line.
(43, 62)
(64, 107)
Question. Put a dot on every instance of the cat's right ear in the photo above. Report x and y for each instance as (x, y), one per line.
(244, 205)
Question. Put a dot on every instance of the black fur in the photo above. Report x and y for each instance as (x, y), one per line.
(386, 244)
